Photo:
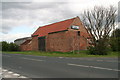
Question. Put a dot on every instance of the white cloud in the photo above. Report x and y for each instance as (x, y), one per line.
(17, 14)
(12, 37)
(35, 13)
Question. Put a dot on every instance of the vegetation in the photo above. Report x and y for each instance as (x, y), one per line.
(115, 40)
(99, 22)
(63, 54)
(9, 46)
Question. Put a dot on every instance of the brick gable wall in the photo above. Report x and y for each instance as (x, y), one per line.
(68, 40)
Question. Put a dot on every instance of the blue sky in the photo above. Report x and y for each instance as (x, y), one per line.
(21, 29)
(21, 19)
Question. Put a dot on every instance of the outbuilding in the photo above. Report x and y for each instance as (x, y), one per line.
(63, 36)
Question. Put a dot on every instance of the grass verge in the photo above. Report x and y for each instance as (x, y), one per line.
(64, 54)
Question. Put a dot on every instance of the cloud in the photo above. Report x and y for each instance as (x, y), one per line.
(29, 5)
(35, 13)
(5, 37)
(15, 14)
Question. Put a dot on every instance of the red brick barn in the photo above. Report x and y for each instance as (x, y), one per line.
(26, 46)
(64, 36)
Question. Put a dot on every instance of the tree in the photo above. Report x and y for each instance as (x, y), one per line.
(115, 40)
(9, 46)
(13, 47)
(116, 33)
(5, 46)
(100, 22)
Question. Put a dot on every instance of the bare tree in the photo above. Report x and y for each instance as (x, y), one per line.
(100, 22)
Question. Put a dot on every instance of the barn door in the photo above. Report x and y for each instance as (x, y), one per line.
(41, 43)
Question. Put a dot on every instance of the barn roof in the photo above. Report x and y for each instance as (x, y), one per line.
(26, 42)
(55, 27)
(25, 38)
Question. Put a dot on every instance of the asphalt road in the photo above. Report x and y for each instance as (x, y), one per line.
(61, 67)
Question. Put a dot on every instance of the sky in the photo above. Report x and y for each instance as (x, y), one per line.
(20, 19)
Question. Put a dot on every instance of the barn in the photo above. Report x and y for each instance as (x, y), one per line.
(63, 36)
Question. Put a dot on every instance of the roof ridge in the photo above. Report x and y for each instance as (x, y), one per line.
(57, 22)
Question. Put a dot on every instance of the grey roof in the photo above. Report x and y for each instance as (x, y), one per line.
(22, 38)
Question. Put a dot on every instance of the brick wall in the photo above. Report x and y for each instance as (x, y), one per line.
(35, 43)
(83, 34)
(68, 40)
(58, 42)
(63, 41)
(26, 46)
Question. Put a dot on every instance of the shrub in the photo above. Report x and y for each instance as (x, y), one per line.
(5, 46)
(115, 40)
(99, 49)
(115, 44)
(91, 50)
(9, 46)
(13, 47)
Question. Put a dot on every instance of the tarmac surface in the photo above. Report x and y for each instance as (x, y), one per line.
(59, 67)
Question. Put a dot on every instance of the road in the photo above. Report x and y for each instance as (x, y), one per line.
(61, 67)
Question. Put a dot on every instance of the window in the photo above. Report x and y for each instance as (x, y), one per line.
(74, 27)
(78, 33)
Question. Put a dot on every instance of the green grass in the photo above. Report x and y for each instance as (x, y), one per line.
(64, 54)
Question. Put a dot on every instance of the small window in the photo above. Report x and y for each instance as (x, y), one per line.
(74, 27)
(78, 33)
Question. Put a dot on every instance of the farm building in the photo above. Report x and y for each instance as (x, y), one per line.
(21, 40)
(64, 36)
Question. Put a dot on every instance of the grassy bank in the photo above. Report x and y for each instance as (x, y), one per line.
(64, 54)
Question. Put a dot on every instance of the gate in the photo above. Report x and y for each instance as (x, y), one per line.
(41, 43)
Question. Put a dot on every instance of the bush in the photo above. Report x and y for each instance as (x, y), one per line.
(100, 49)
(5, 46)
(13, 47)
(91, 50)
(9, 46)
(115, 44)
(115, 40)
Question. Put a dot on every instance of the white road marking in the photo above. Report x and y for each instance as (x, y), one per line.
(111, 61)
(99, 60)
(33, 59)
(22, 77)
(4, 70)
(10, 72)
(77, 65)
(60, 57)
(7, 76)
(92, 67)
(92, 60)
(16, 74)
